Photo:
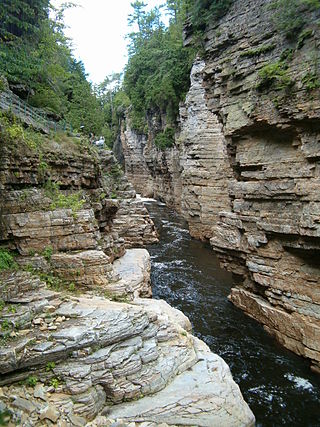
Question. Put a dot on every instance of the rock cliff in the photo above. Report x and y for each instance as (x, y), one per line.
(80, 342)
(245, 167)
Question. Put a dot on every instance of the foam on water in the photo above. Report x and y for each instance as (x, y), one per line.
(300, 382)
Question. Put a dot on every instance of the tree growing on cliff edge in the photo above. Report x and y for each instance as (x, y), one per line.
(157, 74)
(21, 18)
(36, 59)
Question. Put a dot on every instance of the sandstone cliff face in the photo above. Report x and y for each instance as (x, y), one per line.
(246, 169)
(80, 342)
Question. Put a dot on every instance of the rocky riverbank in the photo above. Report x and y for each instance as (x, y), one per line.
(80, 343)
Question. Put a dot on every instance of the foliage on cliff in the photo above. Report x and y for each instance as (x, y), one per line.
(157, 74)
(37, 60)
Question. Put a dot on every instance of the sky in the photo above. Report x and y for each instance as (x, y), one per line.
(97, 29)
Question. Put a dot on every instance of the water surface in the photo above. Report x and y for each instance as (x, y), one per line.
(278, 385)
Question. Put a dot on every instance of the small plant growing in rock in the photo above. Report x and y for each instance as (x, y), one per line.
(311, 81)
(47, 253)
(12, 309)
(50, 366)
(31, 381)
(72, 287)
(6, 260)
(274, 74)
(54, 382)
(258, 51)
(2, 305)
(5, 325)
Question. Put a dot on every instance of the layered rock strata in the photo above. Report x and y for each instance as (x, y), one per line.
(79, 343)
(246, 167)
(86, 358)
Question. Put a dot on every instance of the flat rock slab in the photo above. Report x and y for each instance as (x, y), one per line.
(204, 395)
(134, 270)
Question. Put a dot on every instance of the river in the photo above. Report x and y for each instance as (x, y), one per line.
(278, 385)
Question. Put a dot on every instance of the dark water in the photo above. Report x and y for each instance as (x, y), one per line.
(277, 384)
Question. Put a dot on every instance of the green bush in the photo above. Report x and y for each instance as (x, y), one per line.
(31, 381)
(60, 200)
(165, 139)
(47, 253)
(6, 260)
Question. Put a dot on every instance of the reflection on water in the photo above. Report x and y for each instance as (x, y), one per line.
(278, 385)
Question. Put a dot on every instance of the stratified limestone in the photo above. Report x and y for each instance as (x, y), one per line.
(90, 356)
(245, 168)
(76, 338)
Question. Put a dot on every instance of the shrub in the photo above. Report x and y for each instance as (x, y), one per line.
(6, 260)
(165, 139)
(47, 253)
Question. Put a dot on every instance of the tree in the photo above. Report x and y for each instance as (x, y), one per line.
(157, 74)
(22, 17)
(138, 14)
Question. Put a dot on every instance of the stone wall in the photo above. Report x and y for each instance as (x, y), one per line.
(246, 168)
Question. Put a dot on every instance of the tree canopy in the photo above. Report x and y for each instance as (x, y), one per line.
(36, 59)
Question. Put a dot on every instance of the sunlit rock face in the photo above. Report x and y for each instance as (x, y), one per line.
(245, 169)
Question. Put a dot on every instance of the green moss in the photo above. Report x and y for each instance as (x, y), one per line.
(258, 51)
(304, 35)
(274, 75)
(311, 81)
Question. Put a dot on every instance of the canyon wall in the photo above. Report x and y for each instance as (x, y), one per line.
(82, 344)
(244, 170)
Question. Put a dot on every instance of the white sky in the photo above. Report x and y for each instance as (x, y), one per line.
(98, 30)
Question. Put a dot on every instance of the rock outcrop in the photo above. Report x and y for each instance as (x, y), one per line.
(86, 358)
(245, 168)
(80, 343)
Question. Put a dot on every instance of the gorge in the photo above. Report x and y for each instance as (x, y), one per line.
(85, 238)
(244, 170)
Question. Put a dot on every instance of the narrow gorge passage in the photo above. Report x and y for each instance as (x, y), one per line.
(277, 384)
